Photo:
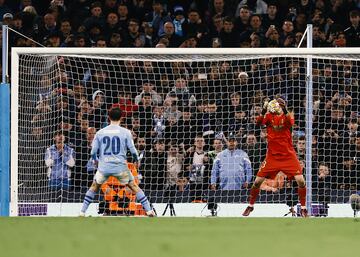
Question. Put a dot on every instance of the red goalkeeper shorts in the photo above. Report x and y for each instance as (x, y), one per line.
(270, 167)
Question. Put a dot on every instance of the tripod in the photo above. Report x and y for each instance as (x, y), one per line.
(171, 208)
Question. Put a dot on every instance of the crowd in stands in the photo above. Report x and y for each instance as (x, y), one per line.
(182, 23)
(181, 114)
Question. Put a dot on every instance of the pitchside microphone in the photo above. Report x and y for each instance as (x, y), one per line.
(355, 203)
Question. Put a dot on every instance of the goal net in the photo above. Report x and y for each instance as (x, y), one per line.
(182, 109)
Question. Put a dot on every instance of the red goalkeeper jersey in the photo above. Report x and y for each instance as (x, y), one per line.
(279, 136)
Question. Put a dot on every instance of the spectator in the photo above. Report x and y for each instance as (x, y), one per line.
(115, 40)
(322, 185)
(174, 165)
(135, 125)
(158, 130)
(184, 130)
(123, 14)
(153, 169)
(85, 167)
(216, 27)
(112, 24)
(301, 148)
(238, 122)
(212, 125)
(99, 109)
(319, 37)
(148, 87)
(141, 146)
(158, 17)
(271, 17)
(353, 32)
(149, 34)
(242, 22)
(145, 113)
(100, 42)
(65, 30)
(126, 105)
(133, 33)
(172, 114)
(231, 170)
(96, 17)
(347, 172)
(217, 148)
(255, 6)
(195, 26)
(181, 91)
(255, 150)
(179, 21)
(228, 36)
(110, 6)
(174, 40)
(49, 26)
(80, 41)
(94, 32)
(287, 29)
(255, 26)
(300, 23)
(195, 162)
(218, 7)
(59, 158)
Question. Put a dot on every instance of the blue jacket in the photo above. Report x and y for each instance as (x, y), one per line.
(59, 164)
(232, 168)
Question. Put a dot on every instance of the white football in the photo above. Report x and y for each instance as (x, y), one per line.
(274, 107)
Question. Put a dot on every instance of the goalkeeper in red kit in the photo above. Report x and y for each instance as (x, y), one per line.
(280, 155)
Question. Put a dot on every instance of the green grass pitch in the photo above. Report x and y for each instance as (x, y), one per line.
(183, 237)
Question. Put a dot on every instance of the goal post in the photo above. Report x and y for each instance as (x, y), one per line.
(4, 129)
(46, 84)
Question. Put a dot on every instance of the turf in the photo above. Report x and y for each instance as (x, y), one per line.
(183, 237)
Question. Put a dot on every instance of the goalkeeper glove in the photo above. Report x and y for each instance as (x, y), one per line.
(282, 104)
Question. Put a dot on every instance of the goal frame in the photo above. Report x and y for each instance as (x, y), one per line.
(308, 53)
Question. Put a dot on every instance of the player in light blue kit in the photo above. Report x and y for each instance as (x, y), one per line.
(110, 145)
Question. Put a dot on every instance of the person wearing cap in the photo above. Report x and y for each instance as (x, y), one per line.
(230, 173)
(96, 16)
(232, 168)
(179, 21)
(59, 159)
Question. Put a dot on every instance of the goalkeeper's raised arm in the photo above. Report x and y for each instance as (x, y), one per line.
(289, 116)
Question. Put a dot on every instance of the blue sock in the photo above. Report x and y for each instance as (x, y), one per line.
(141, 197)
(89, 197)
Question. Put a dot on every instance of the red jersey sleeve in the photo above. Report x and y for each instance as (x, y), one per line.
(289, 120)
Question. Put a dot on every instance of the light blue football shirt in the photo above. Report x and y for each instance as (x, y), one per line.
(110, 145)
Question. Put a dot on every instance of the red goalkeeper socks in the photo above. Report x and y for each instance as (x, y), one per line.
(302, 196)
(254, 192)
